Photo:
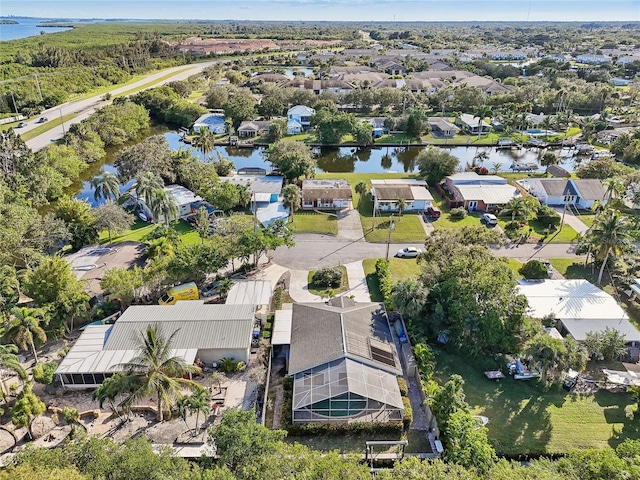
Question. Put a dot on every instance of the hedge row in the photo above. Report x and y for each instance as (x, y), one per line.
(341, 429)
(408, 413)
(402, 385)
(384, 280)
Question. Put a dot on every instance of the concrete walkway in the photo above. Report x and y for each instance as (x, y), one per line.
(350, 226)
(528, 251)
(357, 282)
(573, 221)
(427, 225)
(299, 287)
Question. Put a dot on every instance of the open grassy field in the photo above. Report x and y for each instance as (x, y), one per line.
(526, 419)
(312, 222)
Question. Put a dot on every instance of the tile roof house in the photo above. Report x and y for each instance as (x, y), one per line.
(385, 194)
(207, 332)
(326, 193)
(344, 363)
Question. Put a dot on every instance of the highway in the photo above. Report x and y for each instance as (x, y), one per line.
(83, 108)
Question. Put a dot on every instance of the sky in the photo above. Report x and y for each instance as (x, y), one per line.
(353, 10)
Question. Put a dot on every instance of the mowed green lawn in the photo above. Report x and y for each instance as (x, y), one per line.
(141, 230)
(525, 419)
(312, 222)
(399, 268)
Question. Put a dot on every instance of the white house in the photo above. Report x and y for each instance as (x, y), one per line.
(582, 193)
(300, 114)
(182, 197)
(326, 193)
(386, 193)
(472, 124)
(213, 121)
(592, 58)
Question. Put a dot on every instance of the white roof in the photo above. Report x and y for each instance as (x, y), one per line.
(181, 195)
(570, 299)
(420, 193)
(489, 194)
(250, 293)
(301, 110)
(399, 181)
(281, 334)
(578, 328)
(209, 119)
(467, 177)
(258, 183)
(472, 121)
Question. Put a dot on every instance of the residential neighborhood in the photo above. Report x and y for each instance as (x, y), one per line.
(260, 249)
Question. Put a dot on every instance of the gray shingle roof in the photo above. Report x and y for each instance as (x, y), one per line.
(589, 188)
(554, 187)
(322, 333)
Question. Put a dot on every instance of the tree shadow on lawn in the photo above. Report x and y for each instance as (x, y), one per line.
(619, 408)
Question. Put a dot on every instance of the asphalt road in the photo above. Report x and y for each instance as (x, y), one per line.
(314, 251)
(84, 108)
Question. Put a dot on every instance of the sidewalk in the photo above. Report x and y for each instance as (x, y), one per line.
(571, 220)
(298, 287)
(357, 282)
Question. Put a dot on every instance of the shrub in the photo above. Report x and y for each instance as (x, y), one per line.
(402, 385)
(384, 280)
(63, 352)
(408, 413)
(329, 277)
(287, 384)
(267, 326)
(44, 372)
(342, 429)
(534, 270)
(458, 213)
(266, 334)
(70, 415)
(547, 216)
(278, 298)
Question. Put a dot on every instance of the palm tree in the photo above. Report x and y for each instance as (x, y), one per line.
(204, 140)
(9, 361)
(160, 248)
(496, 167)
(146, 186)
(291, 196)
(609, 234)
(546, 123)
(615, 188)
(24, 328)
(199, 402)
(546, 353)
(163, 204)
(154, 371)
(217, 378)
(517, 207)
(361, 190)
(401, 204)
(481, 112)
(481, 157)
(106, 186)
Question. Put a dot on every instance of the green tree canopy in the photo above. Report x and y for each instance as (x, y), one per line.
(435, 164)
(293, 159)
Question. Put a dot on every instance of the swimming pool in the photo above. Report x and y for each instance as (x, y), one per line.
(536, 131)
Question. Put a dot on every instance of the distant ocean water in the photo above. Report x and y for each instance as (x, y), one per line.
(26, 27)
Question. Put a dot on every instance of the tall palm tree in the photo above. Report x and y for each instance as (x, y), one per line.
(615, 188)
(610, 233)
(155, 371)
(106, 186)
(361, 190)
(9, 361)
(163, 204)
(204, 140)
(291, 196)
(401, 204)
(24, 328)
(546, 123)
(146, 186)
(481, 157)
(160, 248)
(517, 207)
(482, 112)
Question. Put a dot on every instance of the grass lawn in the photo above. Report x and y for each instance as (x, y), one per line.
(525, 419)
(572, 268)
(329, 292)
(399, 268)
(141, 230)
(565, 235)
(445, 221)
(312, 222)
(397, 138)
(514, 265)
(54, 122)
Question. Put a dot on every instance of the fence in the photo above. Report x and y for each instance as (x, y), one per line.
(450, 203)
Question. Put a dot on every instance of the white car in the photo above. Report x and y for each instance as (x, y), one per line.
(489, 219)
(408, 252)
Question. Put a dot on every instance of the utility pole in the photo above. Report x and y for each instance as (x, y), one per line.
(64, 133)
(14, 103)
(391, 227)
(38, 85)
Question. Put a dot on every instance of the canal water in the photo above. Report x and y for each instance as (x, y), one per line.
(335, 160)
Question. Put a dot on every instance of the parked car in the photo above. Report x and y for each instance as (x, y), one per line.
(408, 252)
(433, 213)
(42, 120)
(214, 288)
(21, 125)
(489, 219)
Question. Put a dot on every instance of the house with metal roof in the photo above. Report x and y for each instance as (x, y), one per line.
(206, 332)
(331, 194)
(480, 192)
(386, 193)
(473, 125)
(182, 197)
(213, 121)
(344, 363)
(579, 307)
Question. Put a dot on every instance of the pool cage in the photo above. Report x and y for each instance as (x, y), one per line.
(346, 390)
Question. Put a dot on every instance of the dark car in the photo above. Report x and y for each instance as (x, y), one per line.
(42, 120)
(21, 125)
(433, 213)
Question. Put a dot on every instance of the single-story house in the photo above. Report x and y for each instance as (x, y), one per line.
(472, 178)
(583, 192)
(592, 58)
(205, 332)
(344, 363)
(385, 195)
(326, 193)
(182, 197)
(253, 128)
(213, 121)
(486, 197)
(578, 306)
(302, 115)
(620, 82)
(441, 127)
(472, 125)
(265, 196)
